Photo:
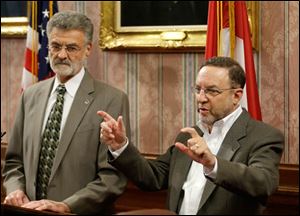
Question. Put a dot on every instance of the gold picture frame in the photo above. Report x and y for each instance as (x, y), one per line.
(14, 20)
(14, 26)
(183, 38)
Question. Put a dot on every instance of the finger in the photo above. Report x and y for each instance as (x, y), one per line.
(14, 201)
(105, 116)
(43, 206)
(105, 127)
(106, 135)
(181, 146)
(49, 205)
(195, 148)
(186, 150)
(191, 142)
(7, 200)
(19, 199)
(33, 204)
(15, 198)
(191, 131)
(106, 131)
(120, 123)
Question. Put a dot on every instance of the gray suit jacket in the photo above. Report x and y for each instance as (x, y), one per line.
(247, 174)
(81, 176)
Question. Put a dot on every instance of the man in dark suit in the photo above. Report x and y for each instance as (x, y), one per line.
(81, 181)
(226, 164)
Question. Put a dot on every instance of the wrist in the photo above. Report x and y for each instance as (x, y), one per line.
(124, 142)
(211, 164)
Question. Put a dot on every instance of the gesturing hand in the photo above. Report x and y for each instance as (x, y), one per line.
(197, 149)
(112, 132)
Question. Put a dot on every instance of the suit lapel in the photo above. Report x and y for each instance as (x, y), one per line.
(82, 101)
(181, 170)
(182, 167)
(228, 148)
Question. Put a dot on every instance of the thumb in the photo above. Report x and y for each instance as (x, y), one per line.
(120, 124)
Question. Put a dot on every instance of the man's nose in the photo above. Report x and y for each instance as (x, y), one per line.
(201, 97)
(62, 53)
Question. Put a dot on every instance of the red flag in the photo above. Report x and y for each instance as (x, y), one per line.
(228, 34)
(36, 66)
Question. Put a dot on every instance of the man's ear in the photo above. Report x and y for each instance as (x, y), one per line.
(88, 49)
(237, 96)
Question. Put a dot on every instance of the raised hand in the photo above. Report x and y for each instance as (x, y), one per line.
(197, 149)
(112, 132)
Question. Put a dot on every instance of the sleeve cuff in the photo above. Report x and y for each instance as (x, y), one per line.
(118, 152)
(212, 174)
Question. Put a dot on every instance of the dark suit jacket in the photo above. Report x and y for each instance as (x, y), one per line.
(247, 174)
(81, 176)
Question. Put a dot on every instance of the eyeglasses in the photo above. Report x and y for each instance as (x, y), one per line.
(70, 49)
(210, 92)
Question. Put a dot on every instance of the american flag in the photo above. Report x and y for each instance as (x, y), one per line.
(36, 66)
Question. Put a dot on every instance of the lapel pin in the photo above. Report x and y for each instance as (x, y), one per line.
(87, 101)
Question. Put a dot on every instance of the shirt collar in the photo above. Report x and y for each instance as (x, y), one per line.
(225, 123)
(72, 84)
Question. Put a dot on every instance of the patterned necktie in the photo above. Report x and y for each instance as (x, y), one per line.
(49, 144)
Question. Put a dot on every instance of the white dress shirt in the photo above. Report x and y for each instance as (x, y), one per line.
(195, 182)
(72, 86)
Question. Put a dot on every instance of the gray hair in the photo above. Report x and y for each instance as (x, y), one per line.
(71, 20)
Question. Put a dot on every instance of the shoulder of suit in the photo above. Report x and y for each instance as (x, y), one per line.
(262, 127)
(37, 86)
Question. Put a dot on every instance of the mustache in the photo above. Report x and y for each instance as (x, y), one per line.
(59, 61)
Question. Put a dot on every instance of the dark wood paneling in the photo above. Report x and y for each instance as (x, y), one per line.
(285, 201)
(134, 199)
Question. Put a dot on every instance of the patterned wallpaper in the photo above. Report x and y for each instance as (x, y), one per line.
(158, 84)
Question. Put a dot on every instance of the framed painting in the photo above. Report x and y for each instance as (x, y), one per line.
(160, 26)
(14, 20)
